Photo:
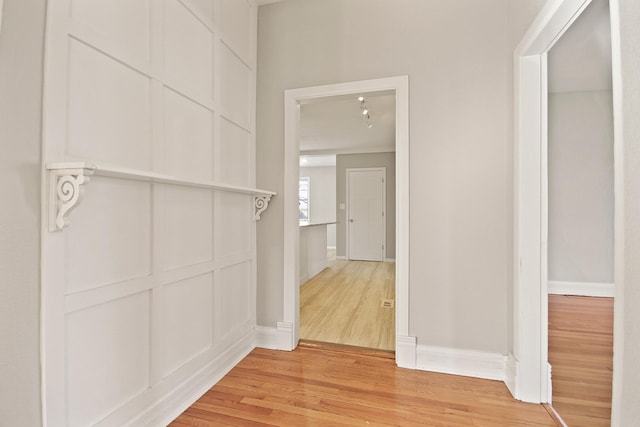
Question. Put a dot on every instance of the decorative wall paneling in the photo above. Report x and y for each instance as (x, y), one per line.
(149, 297)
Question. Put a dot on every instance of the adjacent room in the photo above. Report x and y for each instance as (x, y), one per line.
(347, 193)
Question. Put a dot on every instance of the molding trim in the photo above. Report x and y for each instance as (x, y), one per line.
(358, 150)
(389, 260)
(469, 363)
(549, 384)
(341, 257)
(406, 351)
(266, 337)
(179, 398)
(304, 278)
(292, 99)
(530, 228)
(585, 289)
(278, 338)
(510, 374)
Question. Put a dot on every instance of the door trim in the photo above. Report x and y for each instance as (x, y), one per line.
(531, 380)
(289, 328)
(384, 208)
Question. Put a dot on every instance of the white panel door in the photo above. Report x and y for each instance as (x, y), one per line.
(365, 214)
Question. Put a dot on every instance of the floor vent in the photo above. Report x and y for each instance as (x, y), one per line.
(387, 303)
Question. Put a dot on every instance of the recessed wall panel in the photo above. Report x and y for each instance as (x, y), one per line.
(186, 219)
(124, 23)
(233, 224)
(108, 110)
(235, 154)
(188, 138)
(204, 7)
(107, 357)
(108, 239)
(233, 297)
(236, 89)
(236, 25)
(188, 313)
(188, 50)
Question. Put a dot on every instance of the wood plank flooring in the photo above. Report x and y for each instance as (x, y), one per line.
(340, 386)
(344, 304)
(581, 356)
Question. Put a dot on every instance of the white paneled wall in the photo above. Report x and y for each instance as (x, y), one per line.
(149, 294)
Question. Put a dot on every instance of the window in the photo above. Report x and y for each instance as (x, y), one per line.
(303, 200)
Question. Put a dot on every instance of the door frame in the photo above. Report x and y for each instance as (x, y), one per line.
(289, 329)
(530, 377)
(384, 207)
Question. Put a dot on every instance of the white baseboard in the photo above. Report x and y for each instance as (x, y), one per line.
(160, 411)
(585, 289)
(512, 378)
(266, 337)
(341, 257)
(406, 352)
(389, 260)
(278, 338)
(510, 372)
(303, 279)
(469, 363)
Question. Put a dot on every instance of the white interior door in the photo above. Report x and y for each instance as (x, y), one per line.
(366, 214)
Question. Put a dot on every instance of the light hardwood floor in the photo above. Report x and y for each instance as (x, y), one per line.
(581, 356)
(344, 305)
(338, 386)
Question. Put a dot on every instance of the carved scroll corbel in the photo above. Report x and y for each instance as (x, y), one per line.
(261, 203)
(65, 193)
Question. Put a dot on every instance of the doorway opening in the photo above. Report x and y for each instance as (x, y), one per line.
(294, 99)
(344, 209)
(581, 219)
(531, 377)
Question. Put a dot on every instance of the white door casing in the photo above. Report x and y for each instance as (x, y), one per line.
(366, 219)
(288, 329)
(531, 379)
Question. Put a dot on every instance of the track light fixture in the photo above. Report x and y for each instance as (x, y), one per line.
(365, 111)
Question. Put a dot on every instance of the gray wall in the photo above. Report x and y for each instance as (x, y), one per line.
(372, 160)
(581, 187)
(627, 347)
(21, 56)
(458, 55)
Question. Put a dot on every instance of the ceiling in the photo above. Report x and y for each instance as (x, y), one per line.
(336, 125)
(581, 59)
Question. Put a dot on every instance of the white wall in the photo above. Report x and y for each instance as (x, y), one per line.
(323, 197)
(626, 411)
(149, 293)
(458, 58)
(21, 58)
(581, 187)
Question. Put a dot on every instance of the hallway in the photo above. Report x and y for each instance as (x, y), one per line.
(351, 303)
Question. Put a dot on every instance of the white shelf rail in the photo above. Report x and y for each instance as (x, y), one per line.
(66, 182)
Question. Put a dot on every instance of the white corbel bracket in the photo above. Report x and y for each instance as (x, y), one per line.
(66, 180)
(65, 192)
(261, 203)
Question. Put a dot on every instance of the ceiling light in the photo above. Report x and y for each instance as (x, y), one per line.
(364, 108)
